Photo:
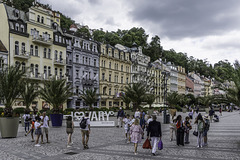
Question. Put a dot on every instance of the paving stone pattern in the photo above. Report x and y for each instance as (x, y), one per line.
(109, 143)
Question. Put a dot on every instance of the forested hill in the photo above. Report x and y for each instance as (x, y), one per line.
(220, 70)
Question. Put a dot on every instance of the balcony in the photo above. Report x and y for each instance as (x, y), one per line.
(88, 82)
(59, 62)
(36, 76)
(41, 40)
(22, 55)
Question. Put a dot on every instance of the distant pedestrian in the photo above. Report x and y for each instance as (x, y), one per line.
(38, 130)
(120, 117)
(45, 126)
(26, 118)
(211, 113)
(137, 114)
(126, 122)
(132, 120)
(180, 131)
(200, 126)
(69, 130)
(205, 130)
(142, 124)
(34, 116)
(32, 129)
(188, 127)
(190, 114)
(173, 129)
(155, 131)
(136, 134)
(220, 111)
(85, 130)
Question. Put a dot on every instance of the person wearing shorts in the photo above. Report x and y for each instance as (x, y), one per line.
(85, 131)
(45, 126)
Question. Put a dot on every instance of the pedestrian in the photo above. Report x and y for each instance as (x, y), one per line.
(85, 130)
(190, 114)
(200, 125)
(205, 130)
(142, 124)
(45, 126)
(69, 130)
(173, 129)
(34, 116)
(188, 127)
(143, 114)
(26, 118)
(137, 114)
(220, 110)
(155, 131)
(32, 129)
(211, 113)
(38, 130)
(197, 110)
(126, 122)
(120, 117)
(136, 134)
(132, 120)
(180, 131)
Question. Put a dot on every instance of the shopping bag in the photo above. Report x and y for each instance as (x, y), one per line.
(160, 145)
(195, 132)
(147, 144)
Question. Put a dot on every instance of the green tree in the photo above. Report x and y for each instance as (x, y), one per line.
(29, 93)
(11, 84)
(23, 5)
(126, 100)
(150, 98)
(90, 97)
(66, 22)
(206, 100)
(136, 92)
(154, 49)
(55, 92)
(173, 99)
(98, 35)
(84, 32)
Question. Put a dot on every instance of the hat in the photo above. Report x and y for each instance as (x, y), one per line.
(205, 117)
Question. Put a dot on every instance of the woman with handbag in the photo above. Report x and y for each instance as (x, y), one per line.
(180, 131)
(136, 133)
(188, 127)
(200, 126)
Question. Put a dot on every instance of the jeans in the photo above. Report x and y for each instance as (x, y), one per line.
(200, 139)
(187, 137)
(155, 141)
(26, 126)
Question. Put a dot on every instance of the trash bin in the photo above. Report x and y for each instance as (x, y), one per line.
(167, 118)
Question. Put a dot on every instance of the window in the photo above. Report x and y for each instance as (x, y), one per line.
(89, 75)
(77, 58)
(36, 71)
(83, 60)
(110, 103)
(60, 39)
(89, 61)
(45, 71)
(94, 62)
(127, 80)
(60, 72)
(31, 50)
(56, 55)
(38, 18)
(86, 60)
(94, 48)
(77, 73)
(122, 68)
(56, 71)
(103, 76)
(16, 48)
(17, 27)
(109, 65)
(42, 20)
(23, 48)
(110, 78)
(49, 71)
(45, 52)
(60, 56)
(121, 79)
(104, 90)
(22, 28)
(36, 50)
(77, 91)
(32, 68)
(104, 63)
(110, 90)
(49, 53)
(56, 38)
(32, 32)
(23, 66)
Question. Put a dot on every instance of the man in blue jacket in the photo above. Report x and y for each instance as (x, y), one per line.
(154, 128)
(120, 117)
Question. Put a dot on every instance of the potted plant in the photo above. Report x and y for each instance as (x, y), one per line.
(56, 92)
(10, 88)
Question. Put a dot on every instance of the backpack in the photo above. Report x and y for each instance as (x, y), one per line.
(26, 119)
(200, 126)
(207, 125)
(83, 123)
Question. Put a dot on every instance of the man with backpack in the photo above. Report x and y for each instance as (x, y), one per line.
(85, 130)
(120, 117)
(26, 118)
(205, 130)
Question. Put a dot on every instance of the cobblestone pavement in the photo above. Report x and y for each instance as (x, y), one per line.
(109, 143)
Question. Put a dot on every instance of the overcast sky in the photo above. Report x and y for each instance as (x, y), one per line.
(205, 29)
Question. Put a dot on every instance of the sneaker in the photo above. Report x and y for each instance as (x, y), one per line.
(86, 147)
(135, 153)
(153, 154)
(128, 141)
(26, 134)
(32, 141)
(198, 146)
(68, 146)
(37, 145)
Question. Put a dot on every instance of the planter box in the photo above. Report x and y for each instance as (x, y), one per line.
(9, 127)
(56, 120)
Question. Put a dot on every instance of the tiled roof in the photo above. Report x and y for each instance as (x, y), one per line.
(2, 47)
(11, 16)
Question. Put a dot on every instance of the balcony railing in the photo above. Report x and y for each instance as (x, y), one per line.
(42, 40)
(60, 62)
(21, 55)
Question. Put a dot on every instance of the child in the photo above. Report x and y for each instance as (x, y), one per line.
(136, 134)
(32, 129)
(173, 129)
(187, 128)
(38, 130)
(69, 130)
(126, 121)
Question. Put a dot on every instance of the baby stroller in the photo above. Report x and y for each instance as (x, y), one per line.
(216, 118)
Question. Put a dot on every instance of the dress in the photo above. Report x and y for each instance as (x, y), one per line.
(136, 133)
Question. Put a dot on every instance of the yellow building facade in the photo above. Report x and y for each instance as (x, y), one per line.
(32, 43)
(114, 75)
(181, 80)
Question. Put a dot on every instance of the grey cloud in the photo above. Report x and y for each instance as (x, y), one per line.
(110, 21)
(94, 2)
(178, 19)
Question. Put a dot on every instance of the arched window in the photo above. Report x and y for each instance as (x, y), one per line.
(16, 48)
(56, 55)
(23, 48)
(36, 71)
(31, 50)
(42, 20)
(38, 18)
(36, 50)
(22, 28)
(17, 27)
(49, 53)
(60, 73)
(45, 53)
(60, 39)
(60, 56)
(56, 38)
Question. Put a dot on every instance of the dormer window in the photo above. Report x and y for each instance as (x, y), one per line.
(60, 39)
(42, 20)
(17, 27)
(22, 28)
(16, 13)
(38, 18)
(56, 38)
